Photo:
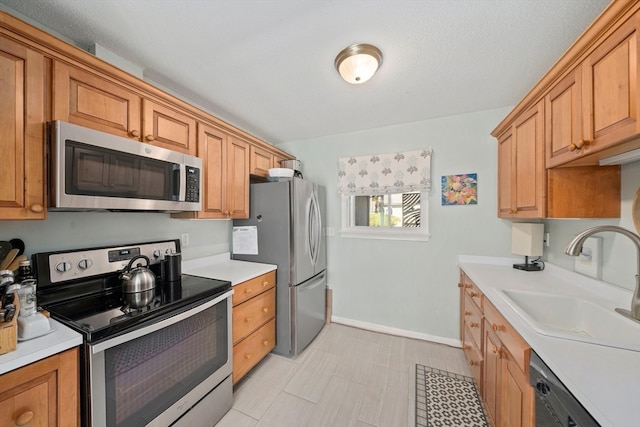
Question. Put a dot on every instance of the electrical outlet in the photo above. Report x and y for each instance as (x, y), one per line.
(546, 239)
(184, 240)
(589, 261)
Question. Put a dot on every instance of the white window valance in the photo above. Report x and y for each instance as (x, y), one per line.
(385, 173)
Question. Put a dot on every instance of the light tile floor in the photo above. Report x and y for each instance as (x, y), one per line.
(346, 377)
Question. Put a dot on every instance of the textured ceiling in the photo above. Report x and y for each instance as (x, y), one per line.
(267, 65)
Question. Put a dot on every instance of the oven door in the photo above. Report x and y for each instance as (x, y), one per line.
(152, 376)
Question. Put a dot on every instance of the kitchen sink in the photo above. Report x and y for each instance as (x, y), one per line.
(574, 318)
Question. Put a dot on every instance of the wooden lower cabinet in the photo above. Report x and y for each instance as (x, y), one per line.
(499, 360)
(254, 323)
(43, 394)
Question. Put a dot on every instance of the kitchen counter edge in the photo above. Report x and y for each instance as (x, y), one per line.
(27, 352)
(222, 267)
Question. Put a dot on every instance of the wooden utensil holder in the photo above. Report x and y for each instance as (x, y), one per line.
(9, 330)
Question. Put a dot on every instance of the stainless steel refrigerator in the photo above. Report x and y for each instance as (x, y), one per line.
(288, 215)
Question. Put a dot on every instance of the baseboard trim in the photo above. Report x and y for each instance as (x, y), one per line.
(395, 331)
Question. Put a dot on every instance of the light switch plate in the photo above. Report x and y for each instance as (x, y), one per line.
(589, 262)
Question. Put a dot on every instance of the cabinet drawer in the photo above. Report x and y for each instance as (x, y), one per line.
(253, 287)
(249, 315)
(511, 341)
(473, 355)
(253, 349)
(474, 294)
(473, 320)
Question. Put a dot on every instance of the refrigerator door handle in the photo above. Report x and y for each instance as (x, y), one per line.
(314, 229)
(310, 230)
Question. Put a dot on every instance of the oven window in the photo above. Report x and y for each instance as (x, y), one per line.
(147, 375)
(97, 171)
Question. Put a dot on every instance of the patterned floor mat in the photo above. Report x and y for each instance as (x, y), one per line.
(447, 399)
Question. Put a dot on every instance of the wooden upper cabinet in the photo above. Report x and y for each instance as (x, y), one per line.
(169, 128)
(22, 117)
(225, 160)
(594, 109)
(261, 161)
(86, 99)
(612, 95)
(90, 100)
(521, 172)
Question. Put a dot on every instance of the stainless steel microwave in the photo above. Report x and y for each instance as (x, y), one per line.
(92, 170)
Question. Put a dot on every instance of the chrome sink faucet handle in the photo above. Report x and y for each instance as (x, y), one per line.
(575, 247)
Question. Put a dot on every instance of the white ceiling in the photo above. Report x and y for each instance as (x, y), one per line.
(267, 65)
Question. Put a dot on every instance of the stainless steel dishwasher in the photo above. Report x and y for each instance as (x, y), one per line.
(555, 405)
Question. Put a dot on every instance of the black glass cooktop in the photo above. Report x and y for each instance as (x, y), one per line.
(111, 312)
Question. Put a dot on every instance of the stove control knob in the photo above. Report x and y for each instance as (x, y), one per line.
(84, 263)
(63, 266)
(156, 253)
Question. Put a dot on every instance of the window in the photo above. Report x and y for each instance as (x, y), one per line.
(400, 216)
(385, 196)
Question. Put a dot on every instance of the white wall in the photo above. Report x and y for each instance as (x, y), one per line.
(405, 285)
(74, 230)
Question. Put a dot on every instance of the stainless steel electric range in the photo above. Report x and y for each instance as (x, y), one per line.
(164, 363)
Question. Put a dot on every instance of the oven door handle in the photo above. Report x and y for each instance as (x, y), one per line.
(104, 345)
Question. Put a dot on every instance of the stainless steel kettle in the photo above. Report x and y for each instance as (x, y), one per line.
(139, 278)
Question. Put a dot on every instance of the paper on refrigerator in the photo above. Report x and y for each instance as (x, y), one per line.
(245, 240)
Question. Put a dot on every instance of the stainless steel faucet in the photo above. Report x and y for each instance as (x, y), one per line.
(575, 247)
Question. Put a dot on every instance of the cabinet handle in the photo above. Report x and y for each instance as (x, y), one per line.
(248, 356)
(474, 324)
(265, 309)
(265, 343)
(247, 319)
(248, 291)
(36, 208)
(24, 418)
(466, 347)
(582, 143)
(467, 313)
(572, 147)
(150, 138)
(474, 363)
(134, 133)
(496, 327)
(474, 294)
(460, 285)
(265, 284)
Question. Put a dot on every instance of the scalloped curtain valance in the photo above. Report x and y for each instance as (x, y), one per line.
(385, 173)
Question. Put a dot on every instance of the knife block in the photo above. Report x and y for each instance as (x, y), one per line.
(9, 330)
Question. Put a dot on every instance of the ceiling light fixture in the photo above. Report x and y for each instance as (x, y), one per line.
(358, 62)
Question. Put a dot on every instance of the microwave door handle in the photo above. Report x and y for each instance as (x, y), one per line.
(177, 192)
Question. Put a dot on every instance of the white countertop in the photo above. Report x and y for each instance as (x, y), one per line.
(222, 267)
(605, 380)
(63, 338)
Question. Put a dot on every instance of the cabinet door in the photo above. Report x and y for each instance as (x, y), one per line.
(261, 161)
(611, 89)
(44, 393)
(85, 99)
(168, 128)
(563, 120)
(238, 178)
(492, 374)
(527, 159)
(517, 395)
(22, 117)
(212, 149)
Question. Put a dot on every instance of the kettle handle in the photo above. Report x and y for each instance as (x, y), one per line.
(128, 267)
